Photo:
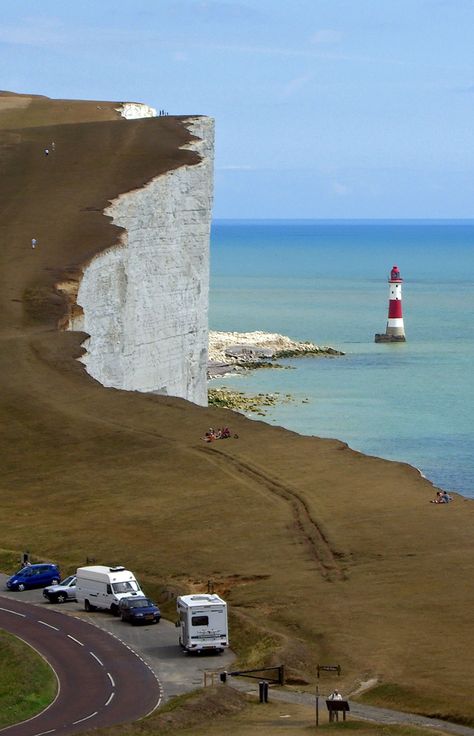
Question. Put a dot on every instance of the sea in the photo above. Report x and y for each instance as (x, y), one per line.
(326, 281)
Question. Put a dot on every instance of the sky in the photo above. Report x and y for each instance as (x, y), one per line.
(323, 108)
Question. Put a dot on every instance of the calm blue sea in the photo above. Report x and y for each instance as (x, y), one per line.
(326, 281)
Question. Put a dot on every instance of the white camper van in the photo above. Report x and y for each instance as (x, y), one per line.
(99, 586)
(202, 622)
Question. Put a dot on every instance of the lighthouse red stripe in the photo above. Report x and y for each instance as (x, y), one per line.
(394, 308)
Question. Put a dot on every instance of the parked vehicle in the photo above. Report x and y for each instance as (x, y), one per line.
(64, 591)
(139, 610)
(99, 586)
(202, 622)
(34, 576)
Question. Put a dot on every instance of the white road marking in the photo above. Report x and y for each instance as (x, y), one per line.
(111, 679)
(97, 658)
(77, 642)
(43, 733)
(86, 718)
(110, 698)
(50, 626)
(15, 613)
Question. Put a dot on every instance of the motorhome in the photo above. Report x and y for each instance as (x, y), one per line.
(202, 622)
(99, 586)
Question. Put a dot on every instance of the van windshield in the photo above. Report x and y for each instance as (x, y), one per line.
(126, 587)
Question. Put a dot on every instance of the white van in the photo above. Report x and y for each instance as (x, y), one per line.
(99, 586)
(202, 622)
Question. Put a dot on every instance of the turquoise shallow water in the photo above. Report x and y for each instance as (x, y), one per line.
(327, 282)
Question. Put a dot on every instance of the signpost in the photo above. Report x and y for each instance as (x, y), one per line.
(329, 668)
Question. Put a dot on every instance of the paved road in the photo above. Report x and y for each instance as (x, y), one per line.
(101, 682)
(157, 644)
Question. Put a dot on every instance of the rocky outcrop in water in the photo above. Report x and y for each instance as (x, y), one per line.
(233, 351)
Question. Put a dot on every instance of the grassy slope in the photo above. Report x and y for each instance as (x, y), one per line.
(337, 556)
(27, 683)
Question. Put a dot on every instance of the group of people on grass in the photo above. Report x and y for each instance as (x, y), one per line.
(217, 434)
(442, 497)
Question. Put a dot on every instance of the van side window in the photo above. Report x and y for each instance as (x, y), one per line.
(109, 588)
(200, 621)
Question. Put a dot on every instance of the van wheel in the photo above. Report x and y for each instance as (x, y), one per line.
(88, 606)
(21, 586)
(114, 610)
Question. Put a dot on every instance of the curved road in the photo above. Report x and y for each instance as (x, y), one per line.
(101, 681)
(101, 697)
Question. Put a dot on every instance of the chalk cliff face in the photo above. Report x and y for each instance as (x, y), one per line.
(145, 302)
(134, 110)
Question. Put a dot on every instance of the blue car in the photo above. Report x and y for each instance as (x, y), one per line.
(34, 576)
(139, 610)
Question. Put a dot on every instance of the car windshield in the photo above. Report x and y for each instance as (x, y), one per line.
(139, 603)
(68, 580)
(125, 587)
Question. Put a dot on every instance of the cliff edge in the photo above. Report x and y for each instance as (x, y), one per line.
(145, 302)
(118, 204)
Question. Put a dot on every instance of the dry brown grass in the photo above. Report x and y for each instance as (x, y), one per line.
(330, 555)
(219, 711)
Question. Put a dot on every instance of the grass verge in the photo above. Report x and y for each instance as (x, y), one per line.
(27, 683)
(390, 695)
(220, 710)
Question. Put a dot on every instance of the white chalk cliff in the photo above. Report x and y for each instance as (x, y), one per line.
(134, 110)
(145, 302)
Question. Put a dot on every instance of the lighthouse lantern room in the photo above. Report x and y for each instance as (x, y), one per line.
(395, 331)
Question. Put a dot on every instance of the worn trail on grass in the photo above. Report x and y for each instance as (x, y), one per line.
(307, 527)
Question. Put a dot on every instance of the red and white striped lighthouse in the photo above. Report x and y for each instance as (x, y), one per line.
(395, 331)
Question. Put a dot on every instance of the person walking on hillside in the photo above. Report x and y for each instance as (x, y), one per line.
(336, 695)
(33, 242)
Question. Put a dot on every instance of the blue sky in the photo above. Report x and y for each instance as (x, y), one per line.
(323, 108)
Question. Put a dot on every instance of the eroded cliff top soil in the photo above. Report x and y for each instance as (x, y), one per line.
(324, 554)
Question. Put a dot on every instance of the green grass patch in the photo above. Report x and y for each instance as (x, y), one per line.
(27, 682)
(255, 646)
(391, 695)
(9, 560)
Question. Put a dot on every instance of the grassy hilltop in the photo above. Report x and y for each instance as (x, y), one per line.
(325, 555)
